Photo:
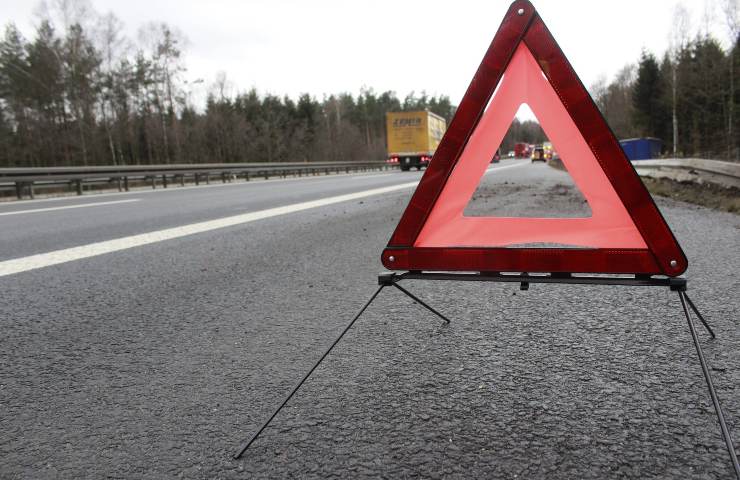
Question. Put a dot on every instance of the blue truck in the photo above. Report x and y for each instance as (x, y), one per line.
(642, 148)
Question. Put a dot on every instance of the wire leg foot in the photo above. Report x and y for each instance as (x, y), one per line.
(295, 389)
(710, 385)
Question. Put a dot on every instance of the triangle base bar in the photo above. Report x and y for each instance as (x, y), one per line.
(471, 259)
(674, 283)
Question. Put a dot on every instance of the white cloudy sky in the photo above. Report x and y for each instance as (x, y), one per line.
(328, 46)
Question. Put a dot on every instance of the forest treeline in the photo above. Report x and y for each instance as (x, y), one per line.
(76, 95)
(81, 93)
(689, 98)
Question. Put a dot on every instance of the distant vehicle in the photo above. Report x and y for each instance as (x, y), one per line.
(642, 148)
(413, 137)
(522, 150)
(510, 154)
(538, 154)
(496, 156)
(549, 151)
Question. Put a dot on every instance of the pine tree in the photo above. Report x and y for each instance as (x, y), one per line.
(649, 114)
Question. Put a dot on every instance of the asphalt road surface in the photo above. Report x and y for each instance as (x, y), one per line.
(147, 334)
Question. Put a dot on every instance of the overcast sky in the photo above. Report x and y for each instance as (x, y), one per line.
(330, 46)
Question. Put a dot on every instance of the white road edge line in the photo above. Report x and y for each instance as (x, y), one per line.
(66, 207)
(363, 177)
(42, 260)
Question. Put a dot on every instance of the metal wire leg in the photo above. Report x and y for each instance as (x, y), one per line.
(710, 385)
(295, 389)
(696, 311)
(417, 300)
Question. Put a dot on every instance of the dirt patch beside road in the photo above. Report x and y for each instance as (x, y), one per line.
(705, 194)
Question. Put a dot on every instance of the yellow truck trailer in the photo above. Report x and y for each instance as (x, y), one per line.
(413, 137)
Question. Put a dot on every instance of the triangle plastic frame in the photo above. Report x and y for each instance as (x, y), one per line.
(523, 25)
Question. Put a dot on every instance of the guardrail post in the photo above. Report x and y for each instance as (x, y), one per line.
(18, 190)
(125, 183)
(223, 177)
(182, 180)
(154, 182)
(30, 190)
(197, 178)
(246, 176)
(208, 178)
(79, 187)
(267, 175)
(164, 181)
(118, 184)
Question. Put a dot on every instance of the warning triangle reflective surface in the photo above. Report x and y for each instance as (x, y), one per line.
(625, 232)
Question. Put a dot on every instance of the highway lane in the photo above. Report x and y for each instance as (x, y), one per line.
(157, 361)
(34, 227)
(157, 209)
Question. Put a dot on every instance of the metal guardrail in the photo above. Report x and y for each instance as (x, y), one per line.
(698, 170)
(26, 180)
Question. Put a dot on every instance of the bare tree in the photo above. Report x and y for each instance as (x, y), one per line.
(222, 87)
(708, 17)
(67, 13)
(164, 44)
(112, 44)
(730, 11)
(678, 40)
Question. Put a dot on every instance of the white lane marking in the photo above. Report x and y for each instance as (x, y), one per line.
(66, 207)
(33, 262)
(504, 167)
(363, 177)
(42, 260)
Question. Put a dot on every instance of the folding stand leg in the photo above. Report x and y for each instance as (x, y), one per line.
(710, 385)
(696, 311)
(295, 389)
(417, 300)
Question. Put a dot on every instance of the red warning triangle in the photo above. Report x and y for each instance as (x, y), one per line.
(625, 233)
